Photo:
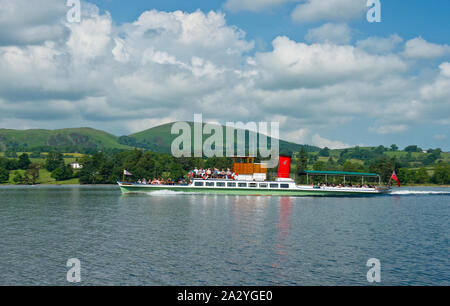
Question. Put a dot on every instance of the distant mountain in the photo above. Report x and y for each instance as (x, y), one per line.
(157, 139)
(160, 138)
(82, 138)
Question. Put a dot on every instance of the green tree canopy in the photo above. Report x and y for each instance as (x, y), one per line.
(442, 173)
(54, 160)
(325, 152)
(413, 148)
(62, 173)
(4, 176)
(24, 161)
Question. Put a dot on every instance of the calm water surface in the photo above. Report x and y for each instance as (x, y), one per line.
(168, 239)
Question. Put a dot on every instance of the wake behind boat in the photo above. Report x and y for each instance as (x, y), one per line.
(249, 178)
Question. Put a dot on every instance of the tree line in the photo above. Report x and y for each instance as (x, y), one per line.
(107, 167)
(378, 163)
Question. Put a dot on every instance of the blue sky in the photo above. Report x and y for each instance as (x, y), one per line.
(429, 19)
(318, 67)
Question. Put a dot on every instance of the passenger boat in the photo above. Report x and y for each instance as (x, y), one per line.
(250, 179)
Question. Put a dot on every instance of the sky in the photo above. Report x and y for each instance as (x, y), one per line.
(318, 67)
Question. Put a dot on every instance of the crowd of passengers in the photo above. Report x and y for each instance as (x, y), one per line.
(159, 181)
(320, 185)
(213, 173)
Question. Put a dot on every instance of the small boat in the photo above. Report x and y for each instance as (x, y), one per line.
(250, 179)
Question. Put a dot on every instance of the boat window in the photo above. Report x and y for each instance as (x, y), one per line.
(284, 185)
(220, 184)
(273, 185)
(263, 185)
(198, 184)
(209, 184)
(242, 184)
(253, 185)
(231, 184)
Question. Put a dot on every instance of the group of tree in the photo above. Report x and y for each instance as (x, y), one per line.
(23, 171)
(440, 176)
(107, 167)
(23, 162)
(55, 164)
(102, 168)
(382, 164)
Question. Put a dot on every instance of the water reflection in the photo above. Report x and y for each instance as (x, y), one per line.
(281, 244)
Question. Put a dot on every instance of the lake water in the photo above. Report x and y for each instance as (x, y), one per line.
(167, 239)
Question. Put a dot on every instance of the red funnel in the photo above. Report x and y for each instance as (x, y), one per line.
(284, 167)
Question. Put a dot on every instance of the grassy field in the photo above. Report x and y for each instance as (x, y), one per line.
(68, 157)
(44, 178)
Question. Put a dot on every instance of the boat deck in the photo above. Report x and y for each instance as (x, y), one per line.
(218, 186)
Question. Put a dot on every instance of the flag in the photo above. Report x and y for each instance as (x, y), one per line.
(395, 178)
(125, 172)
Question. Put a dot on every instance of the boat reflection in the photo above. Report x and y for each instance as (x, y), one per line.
(281, 244)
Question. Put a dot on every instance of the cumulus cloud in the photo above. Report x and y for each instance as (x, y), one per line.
(293, 65)
(166, 66)
(322, 142)
(380, 44)
(420, 48)
(25, 22)
(330, 10)
(330, 33)
(439, 89)
(391, 129)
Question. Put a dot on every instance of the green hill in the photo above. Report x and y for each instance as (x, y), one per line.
(24, 140)
(159, 139)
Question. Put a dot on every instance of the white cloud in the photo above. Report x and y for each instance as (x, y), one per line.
(380, 44)
(293, 65)
(31, 22)
(330, 33)
(445, 69)
(420, 48)
(322, 142)
(330, 10)
(297, 136)
(439, 89)
(391, 129)
(185, 35)
(167, 66)
(91, 36)
(253, 5)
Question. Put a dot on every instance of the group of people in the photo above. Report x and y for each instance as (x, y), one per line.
(213, 173)
(319, 185)
(158, 181)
